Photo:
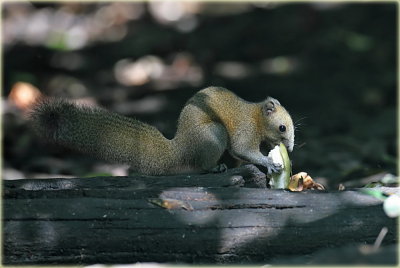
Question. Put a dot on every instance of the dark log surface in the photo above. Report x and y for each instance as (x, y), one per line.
(248, 176)
(111, 220)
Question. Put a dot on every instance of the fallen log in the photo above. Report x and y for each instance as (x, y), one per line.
(103, 220)
(248, 176)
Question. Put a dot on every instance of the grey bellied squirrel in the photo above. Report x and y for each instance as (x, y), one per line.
(212, 121)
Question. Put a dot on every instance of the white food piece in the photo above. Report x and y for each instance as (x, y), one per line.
(276, 156)
(391, 206)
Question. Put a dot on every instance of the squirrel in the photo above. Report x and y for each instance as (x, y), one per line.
(212, 121)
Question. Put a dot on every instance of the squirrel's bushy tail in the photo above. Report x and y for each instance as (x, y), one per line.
(107, 135)
(47, 116)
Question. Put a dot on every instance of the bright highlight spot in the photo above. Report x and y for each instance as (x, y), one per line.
(23, 95)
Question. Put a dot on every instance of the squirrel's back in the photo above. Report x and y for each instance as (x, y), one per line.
(216, 104)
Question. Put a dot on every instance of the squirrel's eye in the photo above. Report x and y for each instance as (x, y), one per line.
(282, 128)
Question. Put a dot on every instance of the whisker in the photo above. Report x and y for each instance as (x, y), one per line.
(300, 145)
(298, 120)
(297, 123)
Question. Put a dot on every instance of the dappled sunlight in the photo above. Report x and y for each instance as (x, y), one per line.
(243, 230)
(73, 26)
(162, 75)
(195, 218)
(23, 95)
(300, 220)
(280, 65)
(139, 72)
(233, 70)
(112, 169)
(200, 216)
(62, 27)
(248, 220)
(44, 184)
(266, 221)
(118, 13)
(181, 15)
(309, 215)
(301, 209)
(43, 232)
(347, 197)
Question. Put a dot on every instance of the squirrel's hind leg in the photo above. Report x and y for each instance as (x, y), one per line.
(211, 141)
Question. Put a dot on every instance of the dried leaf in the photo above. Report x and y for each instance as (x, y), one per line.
(170, 203)
(295, 184)
(302, 181)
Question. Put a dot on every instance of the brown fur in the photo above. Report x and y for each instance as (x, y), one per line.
(212, 121)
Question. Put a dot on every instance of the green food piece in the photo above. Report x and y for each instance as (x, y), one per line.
(375, 193)
(373, 184)
(281, 180)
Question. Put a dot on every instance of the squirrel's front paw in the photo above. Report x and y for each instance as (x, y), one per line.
(272, 167)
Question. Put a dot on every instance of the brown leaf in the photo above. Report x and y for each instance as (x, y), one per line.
(302, 181)
(170, 203)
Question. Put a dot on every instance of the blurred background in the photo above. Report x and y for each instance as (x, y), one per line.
(332, 65)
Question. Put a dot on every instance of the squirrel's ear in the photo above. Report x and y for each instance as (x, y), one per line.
(270, 105)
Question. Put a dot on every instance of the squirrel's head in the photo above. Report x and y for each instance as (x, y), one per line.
(279, 124)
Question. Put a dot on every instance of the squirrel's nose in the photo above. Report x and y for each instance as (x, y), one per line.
(289, 146)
